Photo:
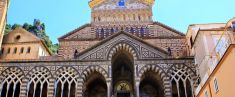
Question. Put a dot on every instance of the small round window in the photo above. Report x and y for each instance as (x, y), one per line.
(18, 37)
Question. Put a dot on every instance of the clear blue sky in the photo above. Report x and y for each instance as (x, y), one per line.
(62, 16)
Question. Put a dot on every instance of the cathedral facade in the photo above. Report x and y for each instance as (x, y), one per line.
(122, 52)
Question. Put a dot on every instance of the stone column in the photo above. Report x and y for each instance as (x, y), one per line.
(108, 88)
(137, 84)
(51, 87)
(79, 88)
(23, 88)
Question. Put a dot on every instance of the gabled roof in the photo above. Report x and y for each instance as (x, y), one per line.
(27, 37)
(74, 31)
(169, 28)
(126, 34)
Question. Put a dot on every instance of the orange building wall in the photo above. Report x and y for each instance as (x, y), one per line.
(34, 51)
(224, 73)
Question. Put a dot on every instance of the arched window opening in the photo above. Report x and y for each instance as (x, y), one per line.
(127, 29)
(28, 50)
(2, 51)
(151, 85)
(137, 31)
(106, 32)
(117, 30)
(9, 50)
(65, 85)
(72, 89)
(181, 88)
(17, 90)
(112, 30)
(189, 88)
(11, 83)
(102, 33)
(142, 32)
(31, 91)
(38, 82)
(132, 30)
(10, 90)
(139, 18)
(65, 90)
(22, 50)
(4, 90)
(174, 89)
(44, 90)
(96, 85)
(97, 31)
(38, 90)
(58, 90)
(15, 50)
(181, 83)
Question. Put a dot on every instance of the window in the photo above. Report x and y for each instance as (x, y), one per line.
(2, 51)
(216, 85)
(28, 50)
(121, 3)
(17, 38)
(206, 94)
(15, 50)
(9, 50)
(22, 50)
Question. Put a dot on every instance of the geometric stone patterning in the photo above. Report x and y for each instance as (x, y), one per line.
(122, 41)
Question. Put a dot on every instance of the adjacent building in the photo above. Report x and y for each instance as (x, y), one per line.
(213, 50)
(21, 44)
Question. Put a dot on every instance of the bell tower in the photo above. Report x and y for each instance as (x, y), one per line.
(121, 12)
(113, 16)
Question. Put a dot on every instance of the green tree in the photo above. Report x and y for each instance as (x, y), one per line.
(7, 29)
(15, 26)
(38, 28)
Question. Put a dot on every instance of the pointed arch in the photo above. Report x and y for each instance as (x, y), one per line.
(66, 81)
(91, 69)
(38, 83)
(182, 80)
(11, 81)
(158, 71)
(94, 81)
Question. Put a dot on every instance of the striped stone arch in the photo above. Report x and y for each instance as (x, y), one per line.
(16, 71)
(122, 46)
(165, 79)
(182, 76)
(67, 75)
(11, 77)
(189, 71)
(39, 79)
(38, 69)
(71, 71)
(86, 72)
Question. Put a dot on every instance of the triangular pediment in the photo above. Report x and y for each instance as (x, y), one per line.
(142, 49)
(162, 30)
(20, 35)
(83, 32)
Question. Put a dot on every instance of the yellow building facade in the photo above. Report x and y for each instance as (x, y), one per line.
(212, 46)
(219, 82)
(21, 44)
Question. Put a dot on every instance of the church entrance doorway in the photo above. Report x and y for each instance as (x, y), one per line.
(122, 74)
(123, 94)
(151, 85)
